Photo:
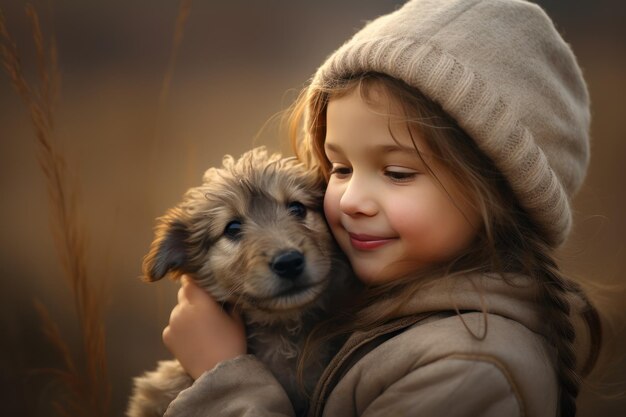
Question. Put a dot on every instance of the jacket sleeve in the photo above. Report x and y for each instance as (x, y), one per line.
(241, 387)
(449, 387)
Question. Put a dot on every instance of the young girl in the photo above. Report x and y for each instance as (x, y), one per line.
(452, 135)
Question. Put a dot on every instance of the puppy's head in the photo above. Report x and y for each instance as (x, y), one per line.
(252, 234)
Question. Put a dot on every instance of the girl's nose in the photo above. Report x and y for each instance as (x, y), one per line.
(358, 198)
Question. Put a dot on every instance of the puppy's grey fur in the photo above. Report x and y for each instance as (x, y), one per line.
(254, 236)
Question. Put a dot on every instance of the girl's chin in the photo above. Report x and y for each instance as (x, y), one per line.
(370, 275)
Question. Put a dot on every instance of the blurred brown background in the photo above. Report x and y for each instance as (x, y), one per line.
(240, 62)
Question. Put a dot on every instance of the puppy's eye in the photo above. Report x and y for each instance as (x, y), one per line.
(297, 209)
(233, 230)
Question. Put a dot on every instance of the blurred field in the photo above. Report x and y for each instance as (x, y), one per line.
(239, 64)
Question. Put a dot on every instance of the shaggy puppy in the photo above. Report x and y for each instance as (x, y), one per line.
(253, 235)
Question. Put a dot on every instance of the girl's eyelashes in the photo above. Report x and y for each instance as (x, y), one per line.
(395, 174)
(340, 171)
(398, 175)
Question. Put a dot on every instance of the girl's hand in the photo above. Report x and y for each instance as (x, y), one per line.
(200, 333)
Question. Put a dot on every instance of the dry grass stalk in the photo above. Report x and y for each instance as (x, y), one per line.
(68, 406)
(89, 389)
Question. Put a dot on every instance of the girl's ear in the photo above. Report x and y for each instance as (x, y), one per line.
(169, 250)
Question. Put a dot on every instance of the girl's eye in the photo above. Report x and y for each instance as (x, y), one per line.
(340, 171)
(233, 230)
(400, 176)
(297, 209)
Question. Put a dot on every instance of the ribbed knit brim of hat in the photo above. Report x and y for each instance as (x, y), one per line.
(502, 71)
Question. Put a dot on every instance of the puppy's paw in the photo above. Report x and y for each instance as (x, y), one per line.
(154, 391)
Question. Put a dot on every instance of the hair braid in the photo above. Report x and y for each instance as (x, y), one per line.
(563, 336)
(556, 290)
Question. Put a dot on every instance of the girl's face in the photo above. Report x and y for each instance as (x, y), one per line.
(389, 214)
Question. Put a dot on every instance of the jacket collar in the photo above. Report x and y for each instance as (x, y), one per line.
(357, 345)
(513, 296)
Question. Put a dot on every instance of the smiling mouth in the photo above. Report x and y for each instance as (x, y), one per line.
(367, 242)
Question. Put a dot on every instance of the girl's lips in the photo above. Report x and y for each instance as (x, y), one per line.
(367, 242)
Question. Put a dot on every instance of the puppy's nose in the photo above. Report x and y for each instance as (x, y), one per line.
(288, 264)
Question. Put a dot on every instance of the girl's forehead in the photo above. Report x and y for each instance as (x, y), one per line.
(374, 121)
(374, 95)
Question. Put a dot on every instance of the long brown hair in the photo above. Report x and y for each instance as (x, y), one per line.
(508, 241)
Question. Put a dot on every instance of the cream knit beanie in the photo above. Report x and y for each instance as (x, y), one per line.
(502, 71)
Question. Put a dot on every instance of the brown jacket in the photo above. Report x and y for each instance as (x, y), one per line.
(429, 361)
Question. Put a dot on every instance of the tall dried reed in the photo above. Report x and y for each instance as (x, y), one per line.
(87, 386)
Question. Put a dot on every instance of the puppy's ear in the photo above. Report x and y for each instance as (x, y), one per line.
(168, 251)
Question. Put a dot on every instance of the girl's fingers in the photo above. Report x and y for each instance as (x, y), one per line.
(174, 312)
(190, 292)
(165, 336)
(181, 295)
(200, 332)
(192, 298)
(184, 281)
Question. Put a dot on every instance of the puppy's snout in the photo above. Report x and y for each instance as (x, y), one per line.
(288, 264)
